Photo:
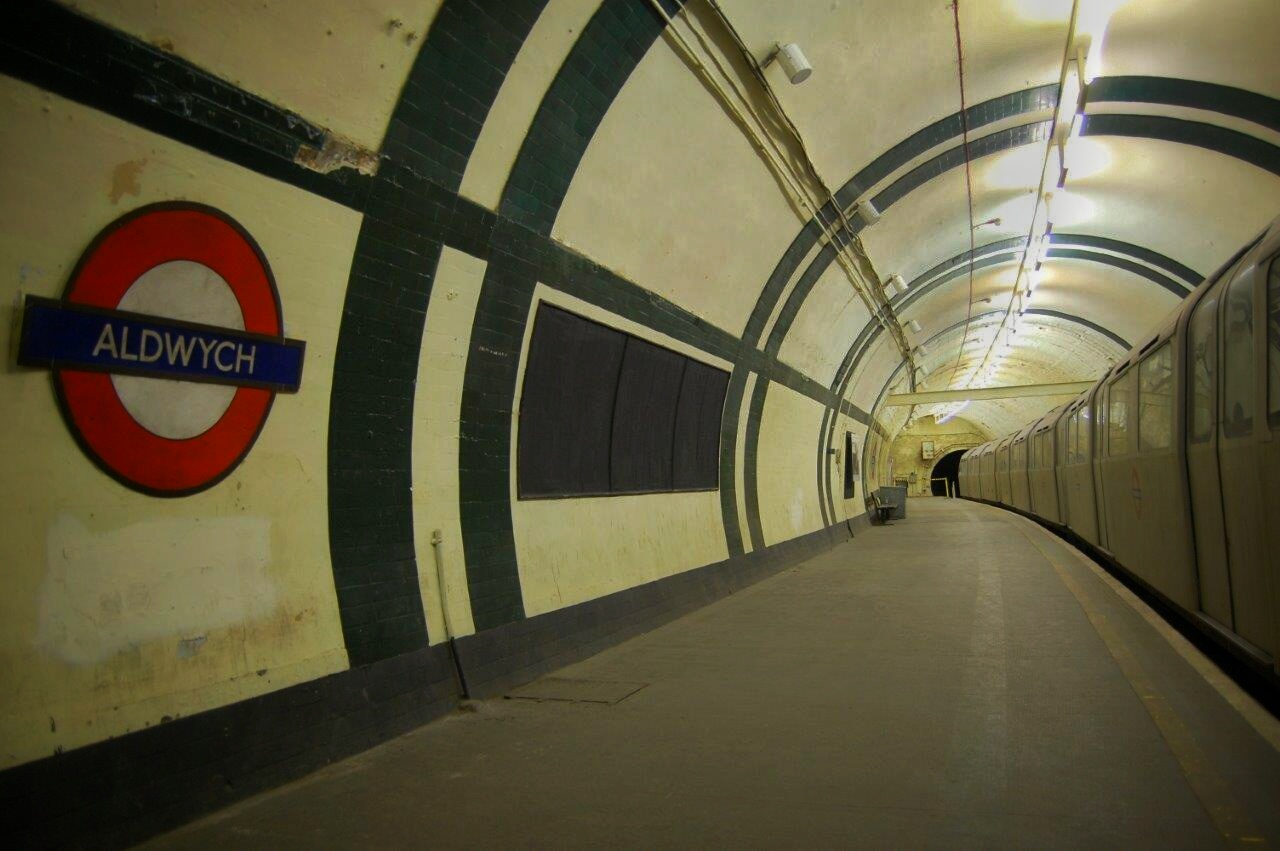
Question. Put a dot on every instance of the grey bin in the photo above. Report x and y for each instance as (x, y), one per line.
(897, 495)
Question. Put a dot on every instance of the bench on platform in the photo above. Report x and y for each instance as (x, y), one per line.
(884, 509)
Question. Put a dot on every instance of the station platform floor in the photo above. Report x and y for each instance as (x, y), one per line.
(962, 678)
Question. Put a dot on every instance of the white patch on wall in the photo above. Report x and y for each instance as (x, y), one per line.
(157, 579)
(797, 511)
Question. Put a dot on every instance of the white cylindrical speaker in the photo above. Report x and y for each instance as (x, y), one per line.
(794, 63)
(868, 213)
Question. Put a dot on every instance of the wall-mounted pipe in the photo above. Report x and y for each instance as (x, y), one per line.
(437, 544)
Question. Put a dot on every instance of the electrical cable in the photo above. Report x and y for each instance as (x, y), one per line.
(860, 271)
(968, 183)
(1035, 212)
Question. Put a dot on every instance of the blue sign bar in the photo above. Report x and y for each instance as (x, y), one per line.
(60, 334)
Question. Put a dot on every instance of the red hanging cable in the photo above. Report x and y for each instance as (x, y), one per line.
(968, 181)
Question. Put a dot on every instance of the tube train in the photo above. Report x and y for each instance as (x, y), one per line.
(1169, 465)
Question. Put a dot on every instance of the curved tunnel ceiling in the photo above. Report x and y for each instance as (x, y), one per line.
(1173, 165)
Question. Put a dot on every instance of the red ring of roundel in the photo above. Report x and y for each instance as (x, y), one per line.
(133, 244)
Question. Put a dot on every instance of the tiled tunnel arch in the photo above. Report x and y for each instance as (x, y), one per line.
(1173, 92)
(413, 212)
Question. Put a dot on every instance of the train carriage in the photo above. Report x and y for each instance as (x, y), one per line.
(1019, 483)
(1042, 475)
(1170, 464)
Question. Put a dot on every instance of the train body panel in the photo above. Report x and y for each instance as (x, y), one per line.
(1170, 463)
(1042, 477)
(1004, 488)
(1078, 473)
(1019, 463)
(1146, 507)
(1250, 351)
(1203, 473)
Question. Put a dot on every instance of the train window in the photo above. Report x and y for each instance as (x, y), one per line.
(1062, 439)
(1086, 429)
(1073, 423)
(1273, 343)
(1155, 400)
(1118, 417)
(1237, 361)
(1203, 355)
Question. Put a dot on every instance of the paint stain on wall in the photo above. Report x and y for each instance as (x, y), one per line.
(797, 510)
(189, 647)
(107, 592)
(125, 179)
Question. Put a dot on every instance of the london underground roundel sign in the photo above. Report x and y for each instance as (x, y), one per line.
(167, 348)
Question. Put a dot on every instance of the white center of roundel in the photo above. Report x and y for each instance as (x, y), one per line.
(189, 292)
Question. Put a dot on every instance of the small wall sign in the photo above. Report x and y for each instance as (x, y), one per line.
(167, 348)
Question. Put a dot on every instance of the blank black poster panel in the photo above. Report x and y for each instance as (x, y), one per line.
(605, 412)
(644, 418)
(566, 406)
(850, 465)
(696, 442)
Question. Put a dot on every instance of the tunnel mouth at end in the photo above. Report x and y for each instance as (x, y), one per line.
(947, 468)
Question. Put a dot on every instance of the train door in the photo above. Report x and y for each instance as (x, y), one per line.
(1004, 485)
(1271, 443)
(1239, 430)
(1094, 454)
(1060, 467)
(988, 483)
(1161, 549)
(1121, 491)
(1202, 460)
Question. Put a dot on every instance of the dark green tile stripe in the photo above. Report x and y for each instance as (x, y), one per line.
(59, 50)
(453, 83)
(1171, 91)
(1253, 107)
(605, 54)
(962, 259)
(994, 143)
(433, 129)
(1115, 338)
(1178, 288)
(863, 344)
(915, 293)
(958, 266)
(830, 416)
(1080, 320)
(1003, 140)
(1211, 137)
(796, 298)
(602, 59)
(1146, 255)
(937, 133)
(1036, 99)
(750, 459)
(769, 295)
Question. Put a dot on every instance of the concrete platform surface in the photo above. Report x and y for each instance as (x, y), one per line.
(958, 679)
